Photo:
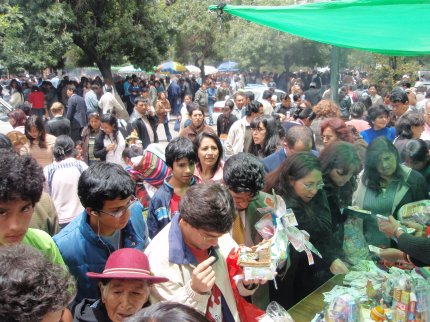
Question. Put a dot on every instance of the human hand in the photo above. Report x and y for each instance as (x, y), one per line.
(418, 227)
(388, 227)
(254, 281)
(338, 267)
(391, 254)
(110, 147)
(203, 278)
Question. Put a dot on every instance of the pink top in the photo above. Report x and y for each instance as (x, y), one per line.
(360, 125)
(217, 177)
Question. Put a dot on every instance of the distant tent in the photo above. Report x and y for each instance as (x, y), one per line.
(390, 27)
(228, 66)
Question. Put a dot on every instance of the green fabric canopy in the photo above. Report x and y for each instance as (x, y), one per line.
(391, 27)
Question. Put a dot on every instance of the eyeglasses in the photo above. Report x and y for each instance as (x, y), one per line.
(120, 212)
(313, 186)
(209, 238)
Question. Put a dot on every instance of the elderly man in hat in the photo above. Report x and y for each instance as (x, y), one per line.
(124, 286)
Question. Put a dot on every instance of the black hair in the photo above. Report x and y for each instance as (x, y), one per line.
(141, 99)
(244, 172)
(304, 113)
(365, 100)
(21, 178)
(375, 111)
(132, 151)
(64, 147)
(357, 110)
(295, 167)
(195, 107)
(31, 285)
(266, 94)
(229, 104)
(371, 177)
(399, 95)
(168, 312)
(406, 121)
(37, 122)
(416, 150)
(253, 107)
(341, 156)
(72, 88)
(25, 107)
(5, 142)
(215, 138)
(209, 207)
(112, 121)
(249, 95)
(179, 148)
(274, 132)
(104, 181)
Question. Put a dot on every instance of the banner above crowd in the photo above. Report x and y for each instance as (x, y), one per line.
(390, 27)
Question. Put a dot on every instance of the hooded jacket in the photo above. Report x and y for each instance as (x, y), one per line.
(83, 250)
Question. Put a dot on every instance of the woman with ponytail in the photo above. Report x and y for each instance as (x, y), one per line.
(62, 178)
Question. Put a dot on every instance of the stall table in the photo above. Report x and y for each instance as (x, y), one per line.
(305, 310)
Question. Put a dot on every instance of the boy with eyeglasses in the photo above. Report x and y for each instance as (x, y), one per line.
(112, 219)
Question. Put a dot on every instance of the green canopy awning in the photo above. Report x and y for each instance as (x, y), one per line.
(391, 27)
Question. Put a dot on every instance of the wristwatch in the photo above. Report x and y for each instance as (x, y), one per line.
(398, 229)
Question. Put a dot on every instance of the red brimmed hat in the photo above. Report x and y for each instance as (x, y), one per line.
(128, 263)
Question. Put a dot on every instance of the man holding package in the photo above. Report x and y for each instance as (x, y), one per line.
(192, 251)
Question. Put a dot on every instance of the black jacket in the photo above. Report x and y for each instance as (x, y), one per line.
(301, 278)
(99, 147)
(59, 125)
(90, 311)
(136, 123)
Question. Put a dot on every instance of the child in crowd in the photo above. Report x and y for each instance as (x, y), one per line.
(79, 150)
(181, 159)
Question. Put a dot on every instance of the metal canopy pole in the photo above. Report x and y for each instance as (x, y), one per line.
(334, 73)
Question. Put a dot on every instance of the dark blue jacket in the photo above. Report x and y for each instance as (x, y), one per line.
(159, 208)
(272, 161)
(83, 251)
(77, 111)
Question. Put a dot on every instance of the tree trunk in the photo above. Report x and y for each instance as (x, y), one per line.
(202, 70)
(105, 68)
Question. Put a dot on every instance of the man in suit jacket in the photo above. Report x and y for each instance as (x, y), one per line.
(76, 112)
(298, 139)
(144, 121)
(58, 125)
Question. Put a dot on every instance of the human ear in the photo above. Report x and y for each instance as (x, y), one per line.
(101, 288)
(91, 212)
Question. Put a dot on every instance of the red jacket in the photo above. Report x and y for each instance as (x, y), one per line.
(37, 99)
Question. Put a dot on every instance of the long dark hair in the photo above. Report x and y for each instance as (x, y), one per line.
(112, 121)
(37, 122)
(371, 177)
(215, 138)
(274, 131)
(64, 148)
(296, 166)
(342, 156)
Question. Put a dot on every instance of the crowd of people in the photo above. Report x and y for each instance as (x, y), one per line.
(109, 224)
